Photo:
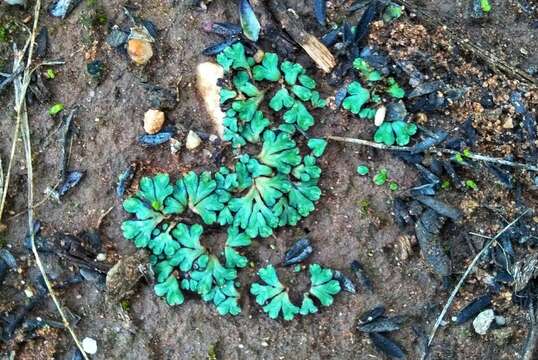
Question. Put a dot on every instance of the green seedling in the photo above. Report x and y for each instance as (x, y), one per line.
(485, 6)
(393, 186)
(368, 72)
(50, 74)
(56, 109)
(358, 97)
(398, 132)
(471, 184)
(381, 177)
(362, 170)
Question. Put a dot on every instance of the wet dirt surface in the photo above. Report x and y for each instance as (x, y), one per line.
(352, 221)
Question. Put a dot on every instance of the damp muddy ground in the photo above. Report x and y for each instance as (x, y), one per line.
(352, 220)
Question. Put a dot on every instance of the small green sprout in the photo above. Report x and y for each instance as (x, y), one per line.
(459, 158)
(297, 268)
(394, 89)
(369, 73)
(471, 184)
(50, 74)
(56, 109)
(282, 99)
(391, 13)
(485, 5)
(445, 184)
(226, 94)
(381, 177)
(467, 153)
(233, 57)
(367, 113)
(393, 186)
(362, 170)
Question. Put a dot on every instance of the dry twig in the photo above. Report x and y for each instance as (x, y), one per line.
(21, 84)
(439, 151)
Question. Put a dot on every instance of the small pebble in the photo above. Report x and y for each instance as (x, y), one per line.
(258, 56)
(500, 320)
(483, 321)
(380, 115)
(192, 141)
(264, 344)
(100, 257)
(140, 51)
(153, 121)
(175, 146)
(89, 346)
(28, 292)
(508, 124)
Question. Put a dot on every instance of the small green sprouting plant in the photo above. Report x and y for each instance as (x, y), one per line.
(394, 89)
(274, 298)
(485, 6)
(317, 146)
(297, 268)
(381, 177)
(125, 305)
(364, 206)
(50, 74)
(471, 184)
(212, 352)
(391, 13)
(291, 71)
(357, 98)
(467, 153)
(445, 184)
(362, 170)
(369, 73)
(393, 186)
(3, 34)
(396, 131)
(56, 109)
(459, 158)
(227, 94)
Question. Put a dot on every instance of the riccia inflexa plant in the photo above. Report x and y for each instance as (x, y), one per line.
(273, 183)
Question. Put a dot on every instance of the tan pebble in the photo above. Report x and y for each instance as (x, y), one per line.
(508, 124)
(139, 51)
(153, 121)
(258, 56)
(192, 141)
(422, 118)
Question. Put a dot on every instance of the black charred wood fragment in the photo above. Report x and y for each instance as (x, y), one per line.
(435, 139)
(451, 172)
(371, 314)
(472, 309)
(387, 346)
(320, 11)
(124, 180)
(426, 88)
(427, 175)
(220, 46)
(362, 277)
(429, 189)
(440, 207)
(470, 132)
(299, 252)
(330, 38)
(381, 324)
(427, 231)
(503, 177)
(42, 41)
(369, 15)
(345, 282)
(401, 212)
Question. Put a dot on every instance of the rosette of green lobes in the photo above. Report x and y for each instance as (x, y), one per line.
(358, 96)
(396, 131)
(291, 71)
(272, 295)
(298, 114)
(322, 286)
(253, 211)
(268, 70)
(197, 193)
(233, 57)
(151, 205)
(279, 151)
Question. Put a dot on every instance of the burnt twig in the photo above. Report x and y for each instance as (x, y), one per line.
(532, 336)
(294, 27)
(477, 157)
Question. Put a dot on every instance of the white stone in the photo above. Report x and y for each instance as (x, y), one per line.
(192, 141)
(380, 115)
(101, 257)
(207, 75)
(483, 321)
(89, 346)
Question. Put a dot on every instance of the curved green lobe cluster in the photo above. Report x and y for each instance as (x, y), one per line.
(273, 186)
(274, 297)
